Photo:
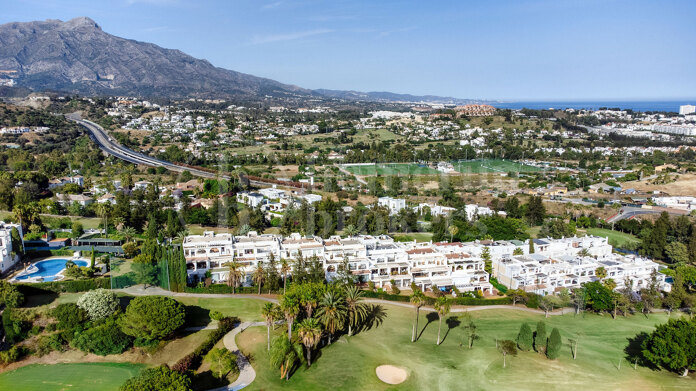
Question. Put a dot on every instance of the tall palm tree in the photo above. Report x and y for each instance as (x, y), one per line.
(268, 312)
(332, 312)
(235, 274)
(309, 331)
(181, 236)
(284, 355)
(290, 307)
(259, 275)
(417, 299)
(103, 211)
(350, 230)
(442, 306)
(310, 295)
(128, 233)
(356, 309)
(284, 270)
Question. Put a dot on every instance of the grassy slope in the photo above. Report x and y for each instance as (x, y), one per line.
(351, 362)
(93, 377)
(618, 239)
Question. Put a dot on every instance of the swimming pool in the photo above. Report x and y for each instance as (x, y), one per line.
(48, 269)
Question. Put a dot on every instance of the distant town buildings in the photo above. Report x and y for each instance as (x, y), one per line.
(475, 110)
(687, 109)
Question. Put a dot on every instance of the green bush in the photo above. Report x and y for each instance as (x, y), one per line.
(103, 339)
(193, 360)
(48, 343)
(71, 286)
(532, 300)
(12, 355)
(160, 378)
(216, 315)
(10, 295)
(69, 316)
(152, 317)
(15, 329)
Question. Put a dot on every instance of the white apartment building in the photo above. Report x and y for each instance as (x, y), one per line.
(687, 109)
(684, 203)
(8, 259)
(555, 263)
(393, 204)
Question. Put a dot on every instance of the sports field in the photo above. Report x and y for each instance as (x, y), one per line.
(391, 169)
(486, 166)
(59, 377)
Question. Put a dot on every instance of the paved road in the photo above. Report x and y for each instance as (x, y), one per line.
(629, 211)
(108, 145)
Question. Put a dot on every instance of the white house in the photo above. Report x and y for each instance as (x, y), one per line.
(393, 204)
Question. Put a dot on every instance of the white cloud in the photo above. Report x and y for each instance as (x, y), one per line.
(261, 39)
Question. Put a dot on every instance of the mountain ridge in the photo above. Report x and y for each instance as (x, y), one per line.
(77, 56)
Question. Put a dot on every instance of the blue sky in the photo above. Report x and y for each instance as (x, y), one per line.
(515, 50)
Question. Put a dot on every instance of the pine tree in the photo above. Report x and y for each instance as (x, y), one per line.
(525, 338)
(540, 337)
(553, 349)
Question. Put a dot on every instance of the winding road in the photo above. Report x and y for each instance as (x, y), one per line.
(108, 145)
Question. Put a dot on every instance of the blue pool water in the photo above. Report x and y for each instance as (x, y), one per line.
(48, 269)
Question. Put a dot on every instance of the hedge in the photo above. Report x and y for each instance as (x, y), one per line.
(431, 300)
(222, 288)
(193, 360)
(65, 286)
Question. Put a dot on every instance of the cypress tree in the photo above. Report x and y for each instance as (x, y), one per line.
(525, 338)
(540, 337)
(553, 349)
(531, 246)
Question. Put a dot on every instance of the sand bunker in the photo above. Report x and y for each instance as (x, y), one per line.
(391, 374)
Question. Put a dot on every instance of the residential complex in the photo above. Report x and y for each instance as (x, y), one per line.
(555, 263)
(8, 258)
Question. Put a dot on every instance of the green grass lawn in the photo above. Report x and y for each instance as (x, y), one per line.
(60, 377)
(417, 236)
(391, 169)
(616, 239)
(349, 364)
(492, 166)
(244, 309)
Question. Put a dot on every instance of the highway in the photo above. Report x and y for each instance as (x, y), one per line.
(110, 146)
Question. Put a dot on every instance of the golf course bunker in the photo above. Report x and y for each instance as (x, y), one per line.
(391, 374)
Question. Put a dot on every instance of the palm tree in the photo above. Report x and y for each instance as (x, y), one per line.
(268, 312)
(259, 275)
(350, 230)
(103, 211)
(118, 222)
(417, 299)
(442, 306)
(309, 331)
(284, 270)
(128, 233)
(332, 312)
(601, 273)
(235, 274)
(181, 235)
(290, 308)
(284, 355)
(356, 310)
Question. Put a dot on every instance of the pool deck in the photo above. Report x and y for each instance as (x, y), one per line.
(57, 277)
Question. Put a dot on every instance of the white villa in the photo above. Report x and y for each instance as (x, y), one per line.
(393, 204)
(555, 264)
(7, 257)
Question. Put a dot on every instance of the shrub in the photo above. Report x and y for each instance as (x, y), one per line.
(69, 316)
(66, 286)
(160, 378)
(525, 338)
(48, 343)
(12, 355)
(553, 348)
(99, 303)
(104, 339)
(216, 315)
(540, 337)
(152, 317)
(10, 296)
(532, 300)
(222, 362)
(193, 360)
(15, 329)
